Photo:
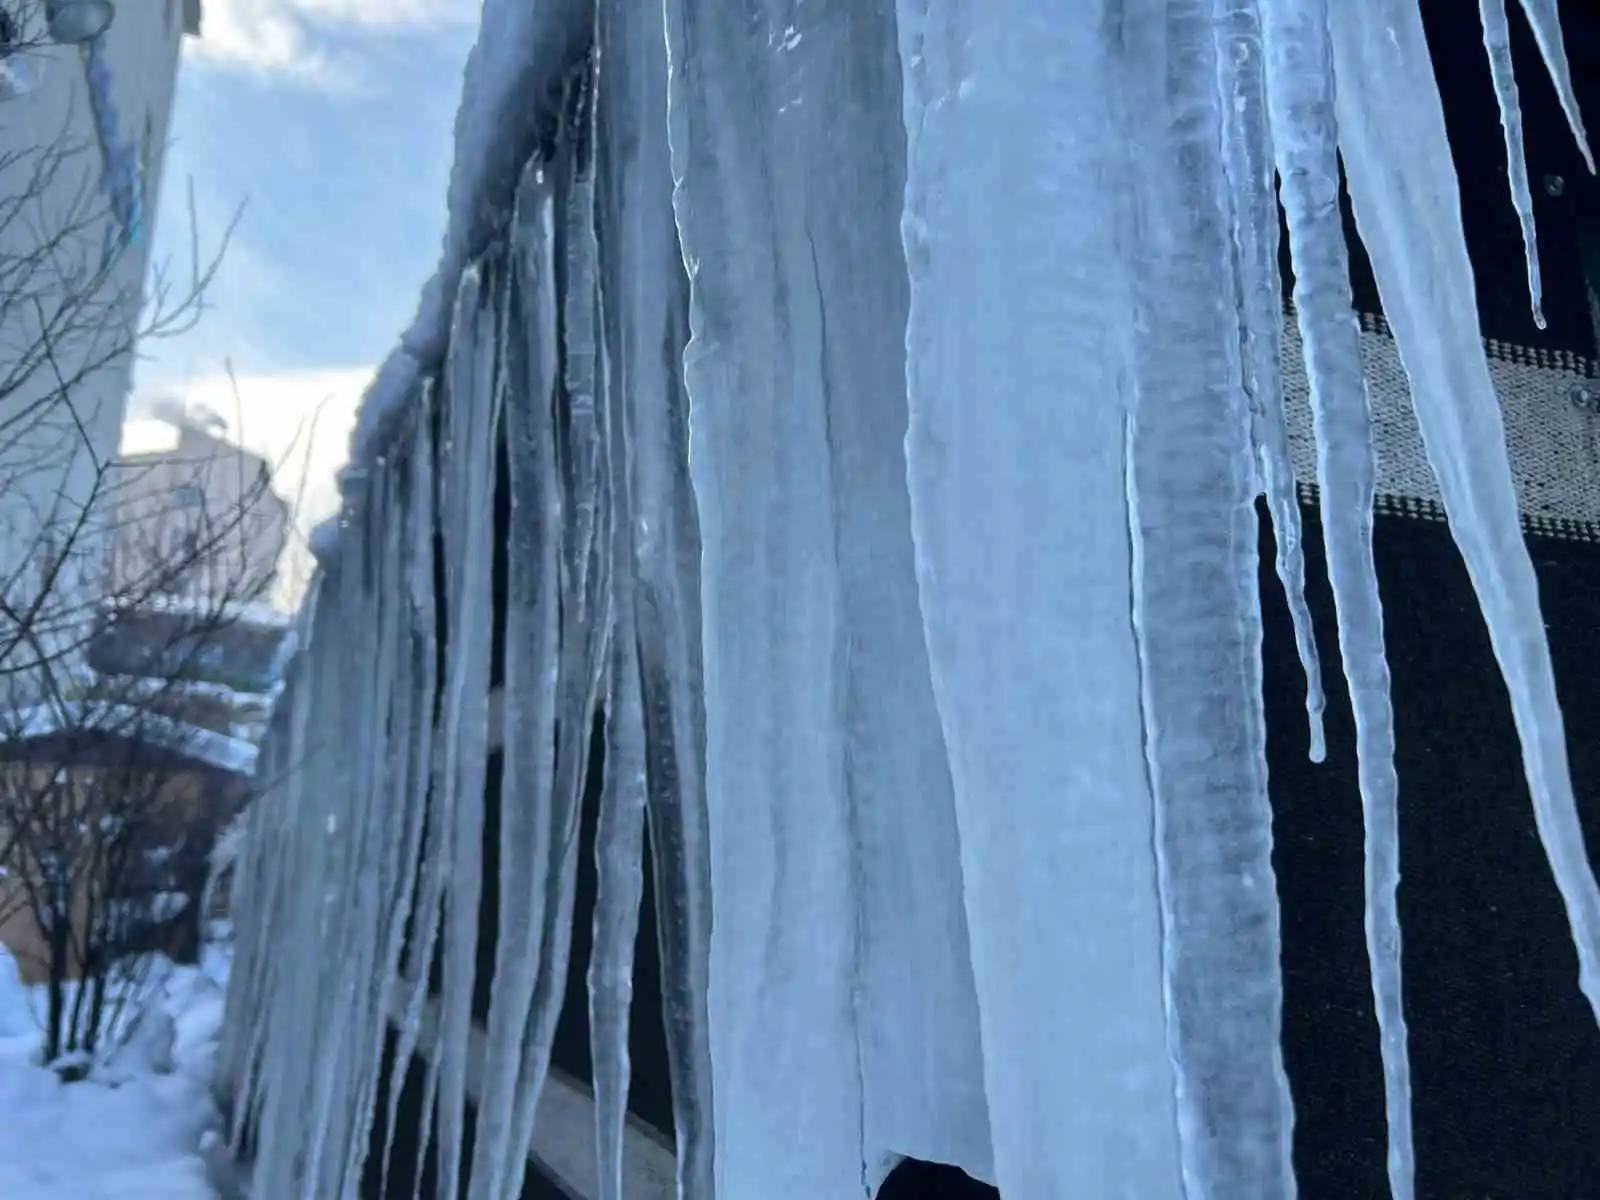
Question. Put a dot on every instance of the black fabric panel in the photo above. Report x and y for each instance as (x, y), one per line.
(913, 1180)
(489, 896)
(1504, 1048)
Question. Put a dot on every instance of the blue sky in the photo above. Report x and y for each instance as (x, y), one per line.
(330, 120)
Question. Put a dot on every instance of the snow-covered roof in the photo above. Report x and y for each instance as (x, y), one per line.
(204, 745)
(510, 83)
(147, 689)
(240, 612)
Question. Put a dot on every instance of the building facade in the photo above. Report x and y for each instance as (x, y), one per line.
(82, 147)
(199, 520)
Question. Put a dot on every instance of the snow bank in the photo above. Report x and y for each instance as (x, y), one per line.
(137, 1138)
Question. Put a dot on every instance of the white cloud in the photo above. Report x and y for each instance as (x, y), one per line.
(284, 37)
(300, 422)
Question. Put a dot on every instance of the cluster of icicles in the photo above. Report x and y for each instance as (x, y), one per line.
(986, 322)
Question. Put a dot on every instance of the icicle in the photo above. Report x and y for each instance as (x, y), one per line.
(474, 398)
(369, 666)
(399, 810)
(749, 137)
(1391, 132)
(290, 1051)
(619, 859)
(1497, 41)
(1197, 614)
(619, 831)
(1300, 92)
(579, 310)
(1247, 155)
(1546, 21)
(915, 1001)
(530, 355)
(1015, 465)
(646, 310)
(261, 899)
(585, 604)
(426, 867)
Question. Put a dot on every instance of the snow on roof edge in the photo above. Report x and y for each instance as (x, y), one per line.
(258, 613)
(234, 755)
(524, 48)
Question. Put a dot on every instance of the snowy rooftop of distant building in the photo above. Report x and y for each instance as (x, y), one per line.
(259, 613)
(121, 720)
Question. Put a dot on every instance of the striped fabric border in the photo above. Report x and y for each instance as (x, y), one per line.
(1551, 406)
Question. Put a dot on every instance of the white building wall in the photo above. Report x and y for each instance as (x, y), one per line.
(200, 520)
(60, 142)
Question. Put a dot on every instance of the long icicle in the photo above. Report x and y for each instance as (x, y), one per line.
(1545, 18)
(646, 307)
(619, 830)
(1391, 135)
(526, 813)
(1247, 158)
(372, 663)
(422, 909)
(474, 422)
(619, 860)
(1497, 41)
(585, 573)
(1300, 93)
(1197, 615)
(1040, 702)
(404, 799)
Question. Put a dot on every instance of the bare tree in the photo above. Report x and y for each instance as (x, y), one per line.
(120, 765)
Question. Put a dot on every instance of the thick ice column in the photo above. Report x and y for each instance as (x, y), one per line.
(1403, 186)
(917, 1015)
(1198, 615)
(1016, 464)
(645, 311)
(750, 128)
(1301, 88)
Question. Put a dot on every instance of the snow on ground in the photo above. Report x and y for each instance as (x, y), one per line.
(127, 1133)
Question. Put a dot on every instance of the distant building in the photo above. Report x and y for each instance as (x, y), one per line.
(84, 120)
(199, 520)
(216, 667)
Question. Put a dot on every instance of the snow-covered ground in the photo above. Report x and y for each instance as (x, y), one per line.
(133, 1130)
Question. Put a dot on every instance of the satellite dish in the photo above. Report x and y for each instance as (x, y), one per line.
(73, 22)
